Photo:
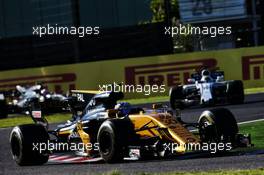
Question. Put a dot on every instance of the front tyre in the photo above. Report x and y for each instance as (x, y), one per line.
(113, 137)
(218, 126)
(22, 141)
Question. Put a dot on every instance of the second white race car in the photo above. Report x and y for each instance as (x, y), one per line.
(207, 88)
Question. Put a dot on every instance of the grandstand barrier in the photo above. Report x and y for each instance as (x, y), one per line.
(245, 64)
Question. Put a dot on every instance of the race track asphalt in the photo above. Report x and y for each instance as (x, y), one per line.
(252, 109)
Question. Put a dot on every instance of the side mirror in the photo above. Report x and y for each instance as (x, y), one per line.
(191, 80)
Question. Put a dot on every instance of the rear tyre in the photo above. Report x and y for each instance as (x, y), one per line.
(235, 92)
(22, 141)
(114, 136)
(218, 126)
(176, 97)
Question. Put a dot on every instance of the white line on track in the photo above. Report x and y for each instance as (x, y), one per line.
(251, 121)
(240, 123)
(5, 128)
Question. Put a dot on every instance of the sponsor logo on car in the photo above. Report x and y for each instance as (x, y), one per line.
(36, 114)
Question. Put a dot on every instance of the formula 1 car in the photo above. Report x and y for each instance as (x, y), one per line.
(114, 131)
(207, 89)
(20, 99)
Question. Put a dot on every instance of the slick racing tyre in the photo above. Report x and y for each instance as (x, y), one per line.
(235, 92)
(3, 109)
(114, 137)
(176, 97)
(218, 125)
(22, 141)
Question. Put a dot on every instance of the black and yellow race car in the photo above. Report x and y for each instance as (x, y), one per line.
(113, 131)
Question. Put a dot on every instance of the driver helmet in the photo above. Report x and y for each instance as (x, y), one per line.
(124, 108)
(206, 75)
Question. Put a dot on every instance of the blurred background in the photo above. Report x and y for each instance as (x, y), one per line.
(129, 28)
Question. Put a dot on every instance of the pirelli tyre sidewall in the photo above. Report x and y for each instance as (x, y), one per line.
(176, 97)
(235, 92)
(222, 126)
(114, 136)
(22, 141)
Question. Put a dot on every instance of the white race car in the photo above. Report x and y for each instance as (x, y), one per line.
(207, 88)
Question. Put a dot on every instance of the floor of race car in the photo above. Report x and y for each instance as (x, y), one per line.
(72, 159)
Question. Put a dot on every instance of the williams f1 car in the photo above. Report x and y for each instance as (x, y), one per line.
(207, 88)
(20, 99)
(115, 131)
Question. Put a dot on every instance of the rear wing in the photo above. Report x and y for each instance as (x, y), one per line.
(83, 96)
(79, 99)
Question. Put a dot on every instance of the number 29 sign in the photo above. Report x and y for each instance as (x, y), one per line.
(195, 11)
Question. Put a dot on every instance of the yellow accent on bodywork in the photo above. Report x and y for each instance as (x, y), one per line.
(83, 135)
(163, 121)
(65, 132)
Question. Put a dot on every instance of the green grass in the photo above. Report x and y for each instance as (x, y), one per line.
(256, 130)
(222, 172)
(19, 120)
